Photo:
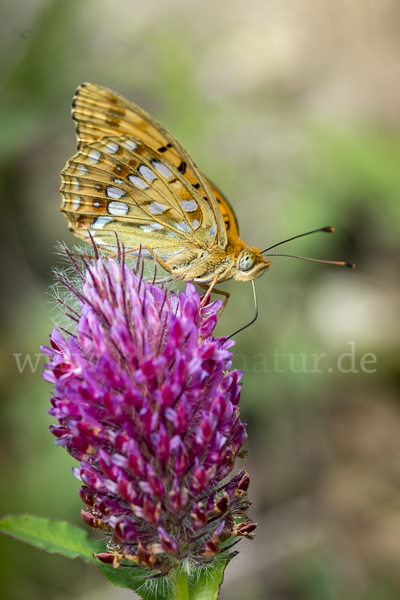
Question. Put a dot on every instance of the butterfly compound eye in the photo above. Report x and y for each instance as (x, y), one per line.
(247, 260)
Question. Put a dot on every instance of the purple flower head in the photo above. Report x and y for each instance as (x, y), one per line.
(146, 403)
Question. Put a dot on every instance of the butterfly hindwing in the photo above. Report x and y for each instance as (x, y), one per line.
(99, 112)
(121, 184)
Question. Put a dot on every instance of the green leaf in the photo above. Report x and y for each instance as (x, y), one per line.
(138, 581)
(63, 538)
(202, 583)
(205, 583)
(57, 537)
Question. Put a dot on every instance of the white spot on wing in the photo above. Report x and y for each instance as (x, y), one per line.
(111, 147)
(151, 227)
(97, 239)
(76, 184)
(212, 230)
(130, 145)
(118, 181)
(114, 192)
(100, 222)
(147, 173)
(156, 208)
(94, 156)
(189, 205)
(118, 209)
(170, 234)
(137, 182)
(183, 227)
(161, 168)
(82, 169)
(77, 201)
(195, 223)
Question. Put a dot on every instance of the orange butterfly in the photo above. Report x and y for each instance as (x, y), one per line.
(131, 176)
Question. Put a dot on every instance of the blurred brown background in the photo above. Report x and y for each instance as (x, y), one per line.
(292, 107)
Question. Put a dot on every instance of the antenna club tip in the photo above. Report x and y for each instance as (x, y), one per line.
(350, 265)
(329, 229)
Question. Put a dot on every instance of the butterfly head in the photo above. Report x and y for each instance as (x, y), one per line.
(250, 264)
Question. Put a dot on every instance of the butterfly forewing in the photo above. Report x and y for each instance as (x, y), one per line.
(121, 184)
(99, 113)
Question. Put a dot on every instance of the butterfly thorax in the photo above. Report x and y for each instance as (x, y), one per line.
(237, 261)
(201, 265)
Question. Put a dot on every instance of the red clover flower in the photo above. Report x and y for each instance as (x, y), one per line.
(146, 402)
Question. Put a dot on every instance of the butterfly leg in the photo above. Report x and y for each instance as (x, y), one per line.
(157, 258)
(209, 289)
(220, 293)
(215, 291)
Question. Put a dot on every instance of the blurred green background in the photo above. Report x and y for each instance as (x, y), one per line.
(293, 109)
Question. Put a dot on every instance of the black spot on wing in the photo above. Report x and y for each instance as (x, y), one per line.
(164, 148)
(116, 112)
(113, 122)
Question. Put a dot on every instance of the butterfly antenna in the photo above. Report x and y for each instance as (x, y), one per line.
(326, 262)
(255, 316)
(325, 229)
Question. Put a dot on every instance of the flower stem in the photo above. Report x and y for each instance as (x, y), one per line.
(180, 585)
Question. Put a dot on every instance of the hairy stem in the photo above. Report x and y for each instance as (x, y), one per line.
(180, 585)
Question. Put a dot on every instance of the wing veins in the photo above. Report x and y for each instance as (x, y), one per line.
(112, 99)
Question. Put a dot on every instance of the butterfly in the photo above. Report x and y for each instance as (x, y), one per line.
(130, 176)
